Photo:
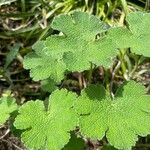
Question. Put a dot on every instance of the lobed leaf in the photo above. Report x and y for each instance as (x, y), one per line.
(48, 128)
(43, 67)
(7, 106)
(74, 49)
(121, 119)
(136, 36)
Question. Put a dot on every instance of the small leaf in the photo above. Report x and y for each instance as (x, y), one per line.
(121, 119)
(7, 106)
(48, 129)
(136, 36)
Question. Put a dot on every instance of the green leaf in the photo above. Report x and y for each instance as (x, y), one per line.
(43, 67)
(139, 23)
(78, 45)
(75, 143)
(48, 128)
(48, 85)
(73, 49)
(121, 119)
(7, 106)
(136, 36)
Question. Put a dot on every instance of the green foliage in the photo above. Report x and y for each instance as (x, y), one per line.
(136, 36)
(7, 106)
(48, 85)
(48, 128)
(75, 143)
(121, 119)
(44, 66)
(74, 49)
(83, 40)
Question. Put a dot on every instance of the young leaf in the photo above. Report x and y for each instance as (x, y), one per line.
(136, 36)
(7, 106)
(121, 119)
(48, 128)
(74, 49)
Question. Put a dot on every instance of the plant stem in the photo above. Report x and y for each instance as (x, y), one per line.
(123, 64)
(125, 6)
(113, 76)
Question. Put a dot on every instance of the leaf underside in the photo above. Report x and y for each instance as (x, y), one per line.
(48, 129)
(7, 106)
(121, 119)
(73, 50)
